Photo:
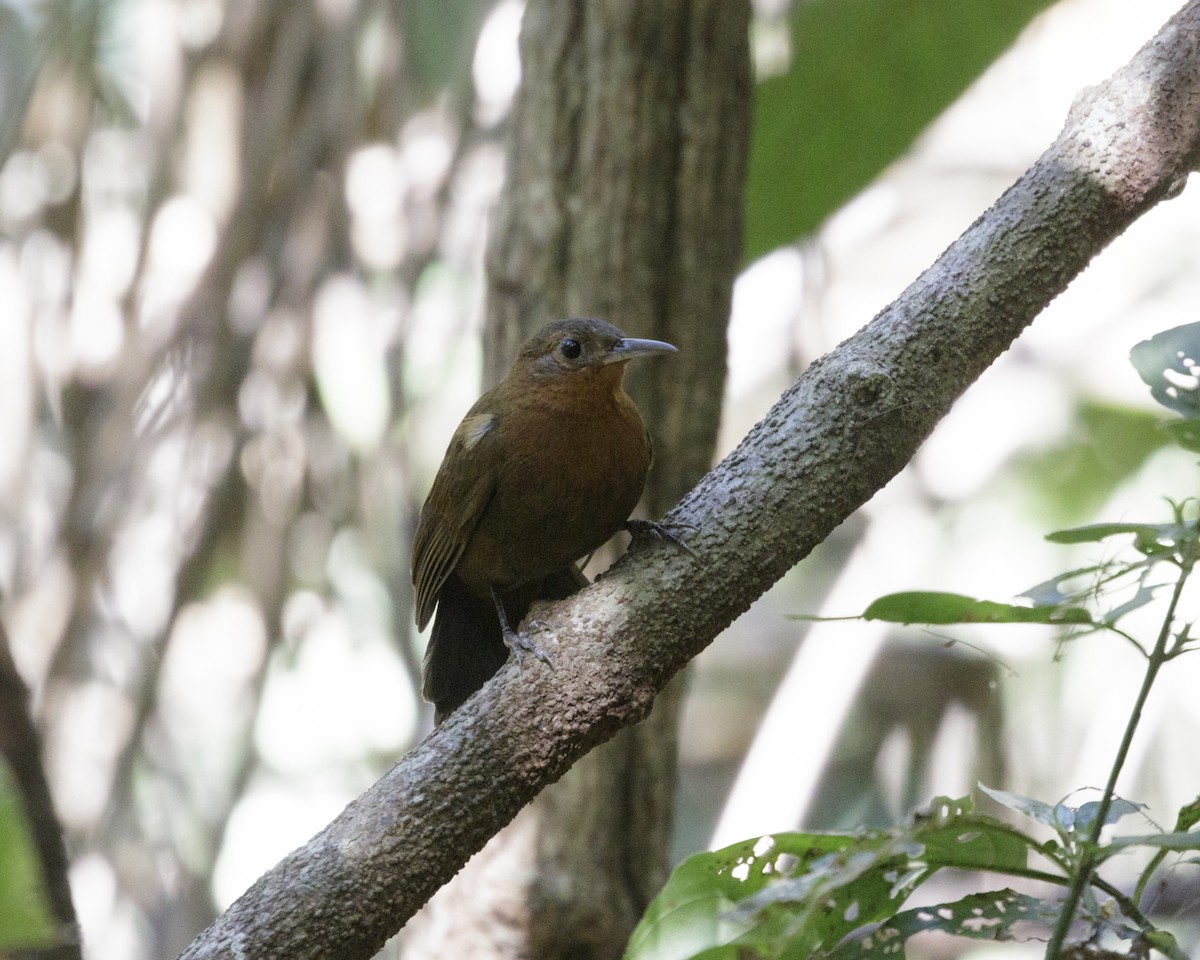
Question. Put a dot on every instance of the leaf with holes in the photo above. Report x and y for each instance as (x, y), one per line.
(973, 842)
(999, 915)
(813, 910)
(797, 894)
(695, 910)
(1169, 363)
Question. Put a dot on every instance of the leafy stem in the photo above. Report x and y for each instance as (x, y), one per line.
(1089, 855)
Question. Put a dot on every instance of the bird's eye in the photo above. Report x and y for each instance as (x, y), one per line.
(570, 348)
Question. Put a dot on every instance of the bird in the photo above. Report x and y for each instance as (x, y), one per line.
(542, 471)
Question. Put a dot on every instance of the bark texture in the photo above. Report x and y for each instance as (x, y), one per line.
(838, 434)
(627, 159)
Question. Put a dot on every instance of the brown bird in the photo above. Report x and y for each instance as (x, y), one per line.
(543, 469)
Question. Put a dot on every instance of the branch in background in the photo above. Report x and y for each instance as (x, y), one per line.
(836, 436)
(21, 748)
(287, 101)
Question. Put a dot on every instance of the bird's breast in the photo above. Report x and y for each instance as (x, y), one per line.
(570, 477)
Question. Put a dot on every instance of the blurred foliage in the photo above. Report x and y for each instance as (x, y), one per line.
(865, 78)
(212, 218)
(439, 41)
(1108, 443)
(1070, 480)
(26, 921)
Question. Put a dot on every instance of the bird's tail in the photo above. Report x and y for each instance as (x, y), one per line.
(466, 646)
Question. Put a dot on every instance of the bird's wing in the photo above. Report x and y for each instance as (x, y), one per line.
(461, 492)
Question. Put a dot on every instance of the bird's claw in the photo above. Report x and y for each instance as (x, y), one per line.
(652, 529)
(520, 645)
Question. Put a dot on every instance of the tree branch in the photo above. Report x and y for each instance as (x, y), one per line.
(836, 436)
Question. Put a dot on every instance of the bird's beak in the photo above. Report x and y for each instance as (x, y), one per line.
(628, 348)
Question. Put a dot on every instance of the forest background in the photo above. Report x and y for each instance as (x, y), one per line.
(242, 277)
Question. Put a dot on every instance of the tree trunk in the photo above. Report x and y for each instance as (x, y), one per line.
(623, 201)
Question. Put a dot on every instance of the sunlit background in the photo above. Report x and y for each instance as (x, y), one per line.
(203, 527)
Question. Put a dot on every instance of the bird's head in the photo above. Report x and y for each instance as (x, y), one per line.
(563, 347)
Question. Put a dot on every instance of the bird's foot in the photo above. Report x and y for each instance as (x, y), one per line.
(659, 532)
(518, 641)
(520, 644)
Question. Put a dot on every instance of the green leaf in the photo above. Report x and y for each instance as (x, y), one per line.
(814, 910)
(1164, 841)
(791, 895)
(1168, 363)
(979, 843)
(1062, 817)
(1151, 539)
(1030, 807)
(981, 916)
(946, 608)
(1189, 816)
(1095, 532)
(1164, 943)
(866, 77)
(1085, 814)
(694, 911)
